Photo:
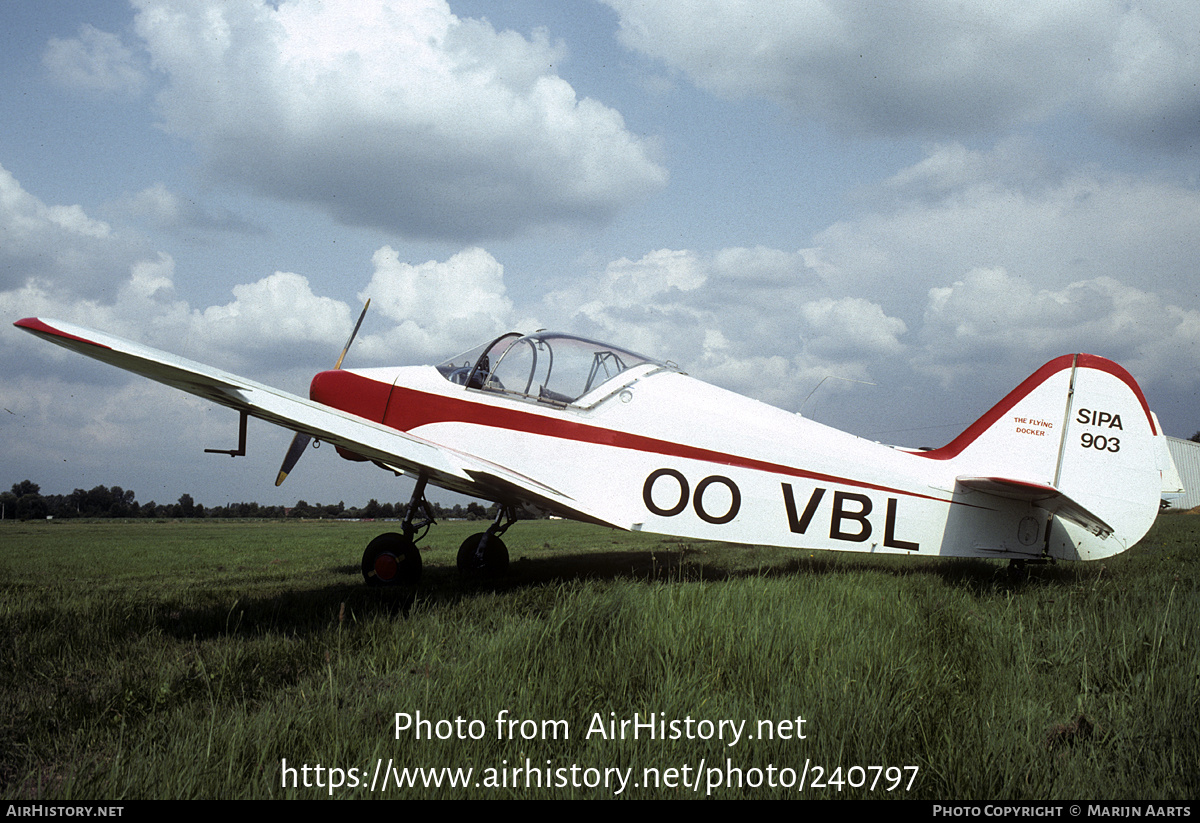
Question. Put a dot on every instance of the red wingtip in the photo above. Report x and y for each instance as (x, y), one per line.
(37, 326)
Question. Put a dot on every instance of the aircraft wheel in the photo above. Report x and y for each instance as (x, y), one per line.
(391, 559)
(482, 555)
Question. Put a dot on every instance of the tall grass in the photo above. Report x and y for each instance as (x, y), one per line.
(190, 659)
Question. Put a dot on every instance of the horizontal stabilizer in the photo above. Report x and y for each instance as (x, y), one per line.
(1042, 495)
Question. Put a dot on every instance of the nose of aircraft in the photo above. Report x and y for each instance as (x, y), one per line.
(350, 392)
(344, 389)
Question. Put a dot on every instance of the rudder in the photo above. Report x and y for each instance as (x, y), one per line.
(1109, 459)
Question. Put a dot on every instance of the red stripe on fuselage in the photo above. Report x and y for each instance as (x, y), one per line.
(409, 409)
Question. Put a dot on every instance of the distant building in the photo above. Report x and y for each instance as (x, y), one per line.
(1186, 454)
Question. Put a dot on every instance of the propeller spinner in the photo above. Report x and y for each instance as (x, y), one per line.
(300, 441)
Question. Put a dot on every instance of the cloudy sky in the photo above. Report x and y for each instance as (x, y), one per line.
(932, 198)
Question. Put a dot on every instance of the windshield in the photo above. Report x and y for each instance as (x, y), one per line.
(547, 366)
(473, 367)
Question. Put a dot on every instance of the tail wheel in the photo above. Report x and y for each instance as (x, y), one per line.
(390, 560)
(482, 555)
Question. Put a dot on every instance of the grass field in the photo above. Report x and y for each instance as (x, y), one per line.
(191, 659)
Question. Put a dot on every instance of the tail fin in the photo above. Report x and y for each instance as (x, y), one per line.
(1078, 440)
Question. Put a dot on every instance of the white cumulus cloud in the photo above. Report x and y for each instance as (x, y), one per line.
(436, 309)
(940, 68)
(756, 320)
(391, 114)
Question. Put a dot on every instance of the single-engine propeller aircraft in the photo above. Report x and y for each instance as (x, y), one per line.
(1068, 466)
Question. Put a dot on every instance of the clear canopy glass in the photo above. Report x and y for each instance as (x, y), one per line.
(547, 366)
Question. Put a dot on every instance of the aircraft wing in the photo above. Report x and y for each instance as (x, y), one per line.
(445, 467)
(1042, 495)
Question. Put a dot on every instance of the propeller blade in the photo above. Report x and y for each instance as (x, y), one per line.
(299, 444)
(300, 441)
(353, 334)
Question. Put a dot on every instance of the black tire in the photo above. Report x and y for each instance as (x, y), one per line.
(391, 560)
(492, 563)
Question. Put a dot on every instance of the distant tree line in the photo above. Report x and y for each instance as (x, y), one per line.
(26, 502)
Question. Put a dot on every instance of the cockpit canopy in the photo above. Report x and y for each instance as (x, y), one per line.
(549, 367)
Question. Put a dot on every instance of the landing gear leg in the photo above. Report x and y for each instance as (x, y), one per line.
(1018, 571)
(392, 559)
(484, 555)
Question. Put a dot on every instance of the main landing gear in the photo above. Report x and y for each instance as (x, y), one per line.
(393, 559)
(484, 555)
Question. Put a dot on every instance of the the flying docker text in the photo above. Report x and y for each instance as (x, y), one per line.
(1068, 466)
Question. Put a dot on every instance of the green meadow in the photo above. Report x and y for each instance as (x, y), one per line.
(243, 659)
